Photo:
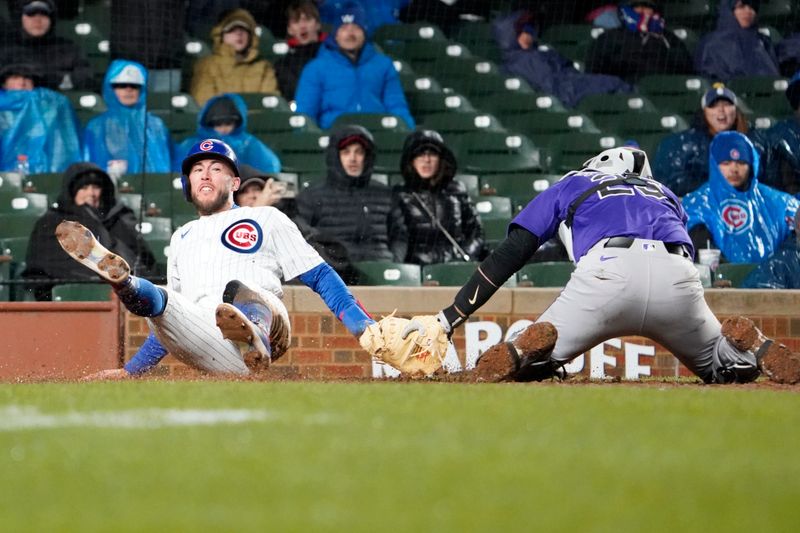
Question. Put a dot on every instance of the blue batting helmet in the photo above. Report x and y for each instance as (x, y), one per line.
(207, 149)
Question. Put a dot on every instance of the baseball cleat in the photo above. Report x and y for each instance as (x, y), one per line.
(775, 360)
(245, 317)
(82, 246)
(527, 358)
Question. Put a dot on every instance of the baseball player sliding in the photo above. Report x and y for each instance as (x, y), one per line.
(634, 276)
(224, 277)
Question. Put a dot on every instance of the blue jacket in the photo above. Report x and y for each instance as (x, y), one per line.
(120, 132)
(40, 124)
(247, 147)
(547, 70)
(731, 51)
(780, 271)
(681, 160)
(746, 225)
(332, 85)
(785, 139)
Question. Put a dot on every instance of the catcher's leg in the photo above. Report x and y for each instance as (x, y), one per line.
(526, 358)
(138, 295)
(748, 343)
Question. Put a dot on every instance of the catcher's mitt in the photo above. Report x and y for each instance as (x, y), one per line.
(416, 347)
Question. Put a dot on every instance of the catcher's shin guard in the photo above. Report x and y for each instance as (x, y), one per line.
(527, 358)
(81, 245)
(775, 360)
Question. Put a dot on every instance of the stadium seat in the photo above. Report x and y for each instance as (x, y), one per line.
(155, 228)
(677, 93)
(180, 125)
(301, 151)
(427, 57)
(513, 102)
(87, 105)
(514, 185)
(689, 37)
(457, 123)
(571, 40)
(5, 275)
(389, 148)
(427, 103)
(10, 182)
(174, 102)
(541, 125)
(495, 213)
(158, 182)
(417, 83)
(50, 183)
(491, 86)
(764, 94)
(389, 34)
(770, 31)
(372, 121)
(387, 273)
(160, 249)
(267, 123)
(603, 107)
(547, 274)
(257, 102)
(705, 275)
(478, 37)
(695, 14)
(452, 274)
(732, 274)
(471, 182)
(469, 72)
(495, 230)
(497, 152)
(569, 152)
(634, 125)
(30, 203)
(131, 200)
(81, 292)
(16, 225)
(179, 220)
(16, 248)
(778, 13)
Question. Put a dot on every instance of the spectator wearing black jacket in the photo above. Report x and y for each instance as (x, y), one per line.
(31, 39)
(304, 40)
(432, 208)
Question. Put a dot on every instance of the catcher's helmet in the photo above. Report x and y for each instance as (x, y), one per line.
(622, 160)
(206, 149)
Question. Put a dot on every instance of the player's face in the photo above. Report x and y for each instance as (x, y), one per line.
(36, 25)
(224, 128)
(745, 15)
(238, 38)
(18, 83)
(304, 29)
(89, 195)
(352, 159)
(247, 197)
(721, 115)
(212, 183)
(127, 93)
(426, 164)
(350, 37)
(736, 172)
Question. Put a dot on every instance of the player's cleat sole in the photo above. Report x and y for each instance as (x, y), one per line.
(241, 296)
(527, 359)
(775, 360)
(235, 326)
(81, 245)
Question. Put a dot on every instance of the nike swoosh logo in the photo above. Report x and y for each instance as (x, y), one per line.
(474, 296)
(185, 233)
(607, 257)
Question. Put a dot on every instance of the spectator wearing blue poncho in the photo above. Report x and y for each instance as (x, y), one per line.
(115, 140)
(736, 48)
(36, 123)
(224, 117)
(350, 76)
(745, 219)
(782, 269)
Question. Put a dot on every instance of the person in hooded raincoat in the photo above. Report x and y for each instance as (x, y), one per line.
(785, 138)
(781, 270)
(127, 135)
(88, 197)
(736, 48)
(543, 67)
(745, 219)
(224, 117)
(35, 122)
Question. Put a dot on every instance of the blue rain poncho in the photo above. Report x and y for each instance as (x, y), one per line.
(120, 132)
(780, 271)
(248, 148)
(40, 124)
(746, 225)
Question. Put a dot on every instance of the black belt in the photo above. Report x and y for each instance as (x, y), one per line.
(626, 242)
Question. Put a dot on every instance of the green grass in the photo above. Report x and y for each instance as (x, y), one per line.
(407, 457)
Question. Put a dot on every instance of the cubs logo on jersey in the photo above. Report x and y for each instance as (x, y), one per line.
(736, 216)
(243, 236)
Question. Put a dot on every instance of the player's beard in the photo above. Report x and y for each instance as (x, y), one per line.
(213, 206)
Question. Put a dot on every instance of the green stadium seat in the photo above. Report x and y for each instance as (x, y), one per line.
(16, 225)
(179, 220)
(764, 94)
(773, 33)
(689, 37)
(604, 107)
(634, 125)
(372, 121)
(155, 182)
(541, 125)
(648, 142)
(571, 40)
(417, 83)
(457, 123)
(155, 228)
(493, 207)
(782, 14)
(5, 275)
(471, 182)
(678, 93)
(478, 37)
(257, 102)
(487, 87)
(469, 72)
(180, 125)
(392, 37)
(389, 148)
(10, 182)
(515, 185)
(696, 14)
(160, 249)
(29, 203)
(86, 104)
(547, 274)
(301, 151)
(50, 183)
(570, 151)
(387, 273)
(705, 275)
(494, 230)
(732, 273)
(174, 102)
(16, 248)
(452, 274)
(131, 200)
(497, 152)
(514, 102)
(429, 102)
(81, 292)
(428, 57)
(267, 123)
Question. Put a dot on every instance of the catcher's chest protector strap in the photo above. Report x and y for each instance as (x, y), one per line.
(630, 179)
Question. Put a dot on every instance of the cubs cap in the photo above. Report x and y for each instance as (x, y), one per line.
(732, 146)
(718, 92)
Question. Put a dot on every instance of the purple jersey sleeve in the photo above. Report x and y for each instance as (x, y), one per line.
(646, 212)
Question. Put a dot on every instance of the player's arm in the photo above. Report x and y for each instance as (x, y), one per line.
(324, 280)
(504, 262)
(148, 356)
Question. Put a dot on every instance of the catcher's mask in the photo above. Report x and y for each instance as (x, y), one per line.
(622, 160)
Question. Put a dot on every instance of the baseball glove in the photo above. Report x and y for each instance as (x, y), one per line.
(416, 347)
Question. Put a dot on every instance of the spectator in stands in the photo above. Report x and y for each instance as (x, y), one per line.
(433, 219)
(736, 48)
(60, 62)
(87, 197)
(151, 33)
(782, 269)
(349, 208)
(788, 52)
(303, 30)
(127, 138)
(235, 66)
(376, 12)
(641, 46)
(785, 138)
(36, 124)
(225, 117)
(681, 161)
(745, 219)
(350, 76)
(257, 188)
(543, 67)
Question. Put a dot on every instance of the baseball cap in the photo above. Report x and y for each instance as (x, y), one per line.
(236, 24)
(37, 6)
(130, 75)
(732, 146)
(717, 92)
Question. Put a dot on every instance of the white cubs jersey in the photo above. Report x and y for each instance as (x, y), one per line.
(257, 245)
